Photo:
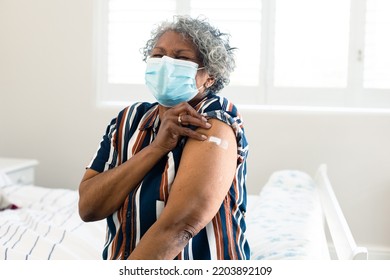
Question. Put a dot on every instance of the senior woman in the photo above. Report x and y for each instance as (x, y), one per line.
(169, 177)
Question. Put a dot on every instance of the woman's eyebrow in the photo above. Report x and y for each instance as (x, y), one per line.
(184, 51)
(176, 51)
(158, 49)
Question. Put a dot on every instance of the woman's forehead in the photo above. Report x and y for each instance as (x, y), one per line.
(172, 40)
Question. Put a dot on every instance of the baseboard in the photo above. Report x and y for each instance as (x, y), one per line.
(374, 252)
(378, 253)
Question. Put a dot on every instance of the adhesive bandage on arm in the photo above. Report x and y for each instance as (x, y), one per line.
(219, 142)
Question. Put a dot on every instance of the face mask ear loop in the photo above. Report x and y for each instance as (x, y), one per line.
(202, 86)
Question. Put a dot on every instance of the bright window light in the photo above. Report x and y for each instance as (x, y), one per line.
(377, 45)
(311, 43)
(242, 20)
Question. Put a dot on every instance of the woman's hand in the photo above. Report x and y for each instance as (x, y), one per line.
(174, 125)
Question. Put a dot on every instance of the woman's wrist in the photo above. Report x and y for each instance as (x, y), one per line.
(158, 150)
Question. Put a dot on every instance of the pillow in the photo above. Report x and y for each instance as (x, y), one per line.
(4, 203)
(4, 180)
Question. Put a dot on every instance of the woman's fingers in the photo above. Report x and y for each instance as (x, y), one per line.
(186, 115)
(178, 122)
(198, 121)
(188, 132)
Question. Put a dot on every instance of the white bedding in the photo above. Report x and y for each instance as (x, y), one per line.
(283, 222)
(47, 226)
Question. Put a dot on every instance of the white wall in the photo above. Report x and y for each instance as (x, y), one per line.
(48, 112)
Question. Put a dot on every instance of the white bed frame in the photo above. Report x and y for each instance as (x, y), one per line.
(343, 241)
(61, 202)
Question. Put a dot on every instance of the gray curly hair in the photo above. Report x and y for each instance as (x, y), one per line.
(213, 45)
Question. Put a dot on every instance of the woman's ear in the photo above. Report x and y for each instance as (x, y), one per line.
(209, 82)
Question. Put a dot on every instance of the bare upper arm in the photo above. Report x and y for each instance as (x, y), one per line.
(204, 176)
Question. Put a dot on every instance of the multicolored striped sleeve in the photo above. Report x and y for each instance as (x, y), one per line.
(107, 156)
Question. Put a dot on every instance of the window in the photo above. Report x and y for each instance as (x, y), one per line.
(290, 52)
(311, 50)
(234, 16)
(128, 28)
(377, 45)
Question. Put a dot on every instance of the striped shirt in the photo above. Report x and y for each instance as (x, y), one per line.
(134, 128)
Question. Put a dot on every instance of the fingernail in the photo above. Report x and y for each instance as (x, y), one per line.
(208, 125)
(204, 119)
(204, 137)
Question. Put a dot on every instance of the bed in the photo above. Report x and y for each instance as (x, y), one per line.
(294, 216)
(42, 223)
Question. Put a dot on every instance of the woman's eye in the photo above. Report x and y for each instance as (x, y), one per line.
(183, 58)
(156, 55)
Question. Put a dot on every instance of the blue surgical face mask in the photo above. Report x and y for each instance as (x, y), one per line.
(171, 81)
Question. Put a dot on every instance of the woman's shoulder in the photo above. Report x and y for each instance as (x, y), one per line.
(138, 107)
(135, 111)
(221, 108)
(218, 103)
